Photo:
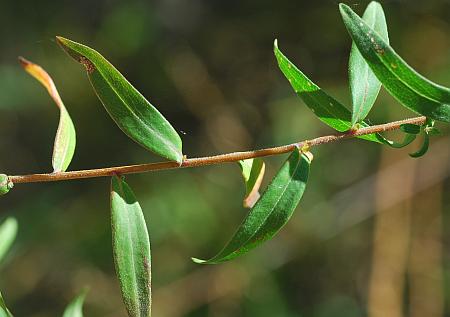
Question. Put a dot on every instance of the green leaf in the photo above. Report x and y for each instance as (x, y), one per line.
(424, 148)
(364, 85)
(410, 128)
(75, 308)
(65, 140)
(137, 118)
(5, 184)
(253, 174)
(271, 212)
(325, 107)
(4, 312)
(409, 87)
(131, 246)
(8, 232)
(408, 139)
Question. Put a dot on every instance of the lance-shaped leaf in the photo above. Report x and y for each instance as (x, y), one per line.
(75, 307)
(253, 174)
(8, 232)
(65, 140)
(137, 118)
(325, 107)
(364, 85)
(4, 312)
(409, 87)
(271, 212)
(131, 247)
(5, 184)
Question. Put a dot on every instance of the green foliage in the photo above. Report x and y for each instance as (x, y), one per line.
(253, 174)
(401, 80)
(8, 232)
(75, 307)
(271, 212)
(326, 108)
(65, 139)
(4, 312)
(137, 118)
(364, 85)
(131, 246)
(5, 184)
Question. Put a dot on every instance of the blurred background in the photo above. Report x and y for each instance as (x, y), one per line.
(369, 238)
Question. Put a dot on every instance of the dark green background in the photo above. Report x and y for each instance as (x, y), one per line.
(209, 68)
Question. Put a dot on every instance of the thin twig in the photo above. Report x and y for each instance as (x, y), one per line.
(210, 160)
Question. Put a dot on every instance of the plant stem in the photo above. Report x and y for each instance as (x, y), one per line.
(210, 160)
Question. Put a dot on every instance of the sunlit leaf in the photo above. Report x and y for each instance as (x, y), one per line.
(8, 232)
(409, 87)
(131, 247)
(4, 312)
(364, 85)
(5, 184)
(271, 212)
(253, 174)
(65, 140)
(137, 118)
(75, 307)
(325, 107)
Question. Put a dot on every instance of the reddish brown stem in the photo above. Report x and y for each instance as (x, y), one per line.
(210, 160)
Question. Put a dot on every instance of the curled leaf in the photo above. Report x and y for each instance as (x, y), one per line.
(405, 84)
(325, 107)
(75, 307)
(253, 174)
(423, 149)
(131, 247)
(134, 115)
(364, 85)
(271, 212)
(65, 140)
(410, 128)
(5, 184)
(8, 232)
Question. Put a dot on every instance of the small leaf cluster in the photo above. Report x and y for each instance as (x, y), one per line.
(373, 63)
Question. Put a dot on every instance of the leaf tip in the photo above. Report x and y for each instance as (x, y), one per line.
(199, 261)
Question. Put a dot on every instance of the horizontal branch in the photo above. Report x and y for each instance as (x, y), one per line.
(210, 160)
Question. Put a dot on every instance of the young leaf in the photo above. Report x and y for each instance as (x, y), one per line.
(253, 174)
(137, 118)
(410, 128)
(131, 246)
(271, 212)
(75, 308)
(8, 232)
(409, 87)
(5, 184)
(65, 140)
(4, 312)
(364, 85)
(329, 110)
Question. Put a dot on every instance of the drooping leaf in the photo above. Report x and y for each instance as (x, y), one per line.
(4, 311)
(5, 184)
(271, 212)
(424, 148)
(253, 174)
(137, 118)
(8, 232)
(409, 87)
(364, 85)
(65, 140)
(325, 107)
(131, 246)
(75, 307)
(410, 128)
